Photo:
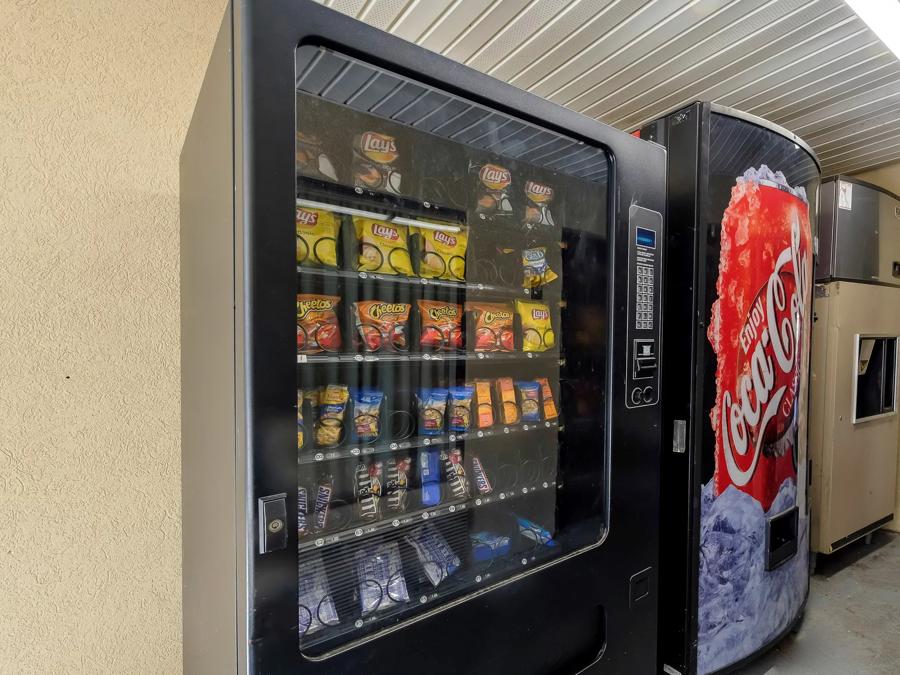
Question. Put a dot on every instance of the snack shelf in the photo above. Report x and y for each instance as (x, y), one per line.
(436, 356)
(468, 288)
(464, 580)
(348, 452)
(362, 531)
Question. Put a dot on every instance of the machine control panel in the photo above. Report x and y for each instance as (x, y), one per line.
(645, 250)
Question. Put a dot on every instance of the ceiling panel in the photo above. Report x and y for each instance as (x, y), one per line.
(809, 65)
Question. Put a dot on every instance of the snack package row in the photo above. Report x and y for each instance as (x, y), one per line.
(482, 404)
(384, 326)
(381, 582)
(380, 156)
(385, 248)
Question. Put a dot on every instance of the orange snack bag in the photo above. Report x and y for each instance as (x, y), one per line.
(484, 404)
(550, 412)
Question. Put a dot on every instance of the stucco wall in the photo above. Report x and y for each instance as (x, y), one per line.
(95, 97)
(888, 177)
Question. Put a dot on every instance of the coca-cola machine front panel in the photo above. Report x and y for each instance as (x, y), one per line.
(742, 194)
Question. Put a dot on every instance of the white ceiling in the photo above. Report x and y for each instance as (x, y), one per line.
(810, 65)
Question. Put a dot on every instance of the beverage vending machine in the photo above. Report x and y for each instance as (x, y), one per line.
(734, 502)
(420, 370)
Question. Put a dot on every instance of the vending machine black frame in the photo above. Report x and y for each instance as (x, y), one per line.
(694, 227)
(239, 385)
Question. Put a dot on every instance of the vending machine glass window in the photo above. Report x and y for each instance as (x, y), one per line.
(452, 341)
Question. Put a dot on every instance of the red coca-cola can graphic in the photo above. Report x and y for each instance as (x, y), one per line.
(759, 332)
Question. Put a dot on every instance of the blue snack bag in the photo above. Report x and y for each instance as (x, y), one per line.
(430, 475)
(536, 533)
(459, 413)
(530, 401)
(488, 545)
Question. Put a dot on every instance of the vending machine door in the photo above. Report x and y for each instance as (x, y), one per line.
(474, 279)
(735, 511)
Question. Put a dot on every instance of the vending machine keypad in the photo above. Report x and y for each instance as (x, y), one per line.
(644, 272)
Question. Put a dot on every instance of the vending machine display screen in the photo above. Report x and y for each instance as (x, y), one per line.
(452, 341)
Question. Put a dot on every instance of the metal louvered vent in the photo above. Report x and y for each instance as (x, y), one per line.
(366, 88)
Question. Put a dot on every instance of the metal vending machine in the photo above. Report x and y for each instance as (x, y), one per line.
(421, 320)
(854, 427)
(734, 501)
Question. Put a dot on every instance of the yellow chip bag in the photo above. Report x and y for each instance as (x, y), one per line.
(537, 333)
(317, 233)
(443, 253)
(382, 247)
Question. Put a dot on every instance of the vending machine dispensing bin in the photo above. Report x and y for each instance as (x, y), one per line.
(451, 463)
(734, 502)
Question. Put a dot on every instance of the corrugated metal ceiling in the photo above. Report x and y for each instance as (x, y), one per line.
(809, 65)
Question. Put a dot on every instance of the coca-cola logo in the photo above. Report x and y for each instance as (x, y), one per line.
(494, 177)
(308, 218)
(378, 147)
(760, 410)
(444, 238)
(538, 192)
(385, 231)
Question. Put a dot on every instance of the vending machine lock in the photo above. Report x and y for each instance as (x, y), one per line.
(272, 523)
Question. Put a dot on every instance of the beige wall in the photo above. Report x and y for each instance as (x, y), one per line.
(887, 177)
(95, 97)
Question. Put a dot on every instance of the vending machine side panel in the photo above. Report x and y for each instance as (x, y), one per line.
(211, 492)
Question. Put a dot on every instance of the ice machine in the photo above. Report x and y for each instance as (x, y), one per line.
(421, 325)
(739, 272)
(853, 410)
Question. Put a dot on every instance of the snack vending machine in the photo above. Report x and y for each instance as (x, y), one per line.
(734, 502)
(421, 353)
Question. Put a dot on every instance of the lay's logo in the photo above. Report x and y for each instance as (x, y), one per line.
(540, 314)
(385, 232)
(444, 238)
(538, 192)
(378, 147)
(308, 218)
(494, 177)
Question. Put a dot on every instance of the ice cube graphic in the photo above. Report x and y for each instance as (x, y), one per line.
(741, 605)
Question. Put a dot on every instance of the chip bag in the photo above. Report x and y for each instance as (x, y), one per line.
(441, 327)
(443, 253)
(317, 232)
(333, 406)
(537, 205)
(530, 400)
(493, 326)
(382, 326)
(537, 270)
(375, 158)
(383, 247)
(367, 414)
(318, 329)
(492, 186)
(537, 334)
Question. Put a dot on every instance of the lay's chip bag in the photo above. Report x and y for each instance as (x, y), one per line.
(442, 253)
(383, 247)
(317, 233)
(537, 333)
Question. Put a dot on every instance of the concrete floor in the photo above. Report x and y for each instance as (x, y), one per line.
(852, 622)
